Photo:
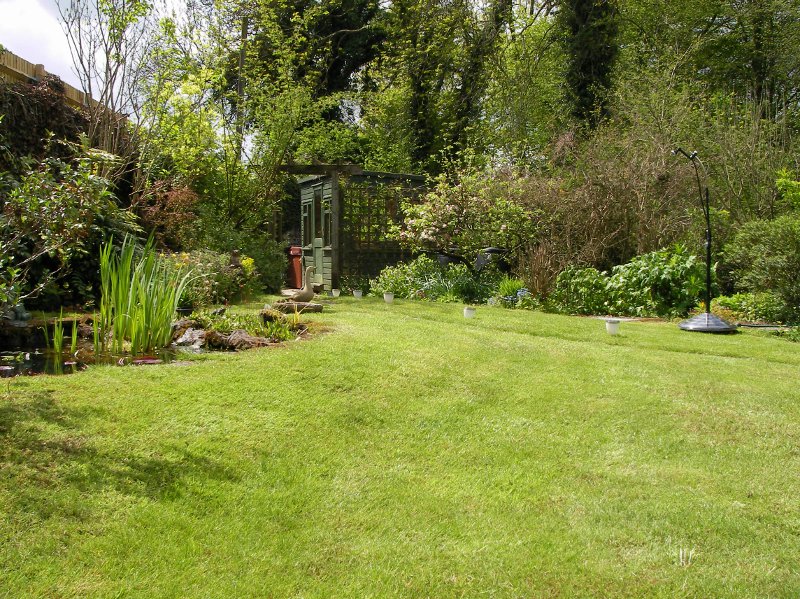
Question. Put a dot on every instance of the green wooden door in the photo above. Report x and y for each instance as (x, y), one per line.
(316, 231)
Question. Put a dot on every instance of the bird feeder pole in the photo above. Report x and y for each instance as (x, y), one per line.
(706, 322)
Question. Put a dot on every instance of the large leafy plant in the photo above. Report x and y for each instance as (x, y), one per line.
(765, 256)
(664, 283)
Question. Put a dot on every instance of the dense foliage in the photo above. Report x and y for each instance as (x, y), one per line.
(217, 278)
(424, 278)
(765, 306)
(663, 283)
(765, 256)
(53, 221)
(460, 218)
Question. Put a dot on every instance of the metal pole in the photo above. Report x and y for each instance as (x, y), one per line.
(706, 322)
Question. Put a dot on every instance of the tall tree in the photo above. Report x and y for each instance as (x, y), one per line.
(443, 51)
(590, 30)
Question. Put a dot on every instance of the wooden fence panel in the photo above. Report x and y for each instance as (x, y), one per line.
(14, 68)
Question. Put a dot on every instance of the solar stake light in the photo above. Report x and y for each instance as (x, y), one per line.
(705, 322)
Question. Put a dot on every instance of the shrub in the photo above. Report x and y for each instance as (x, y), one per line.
(461, 215)
(792, 334)
(765, 256)
(350, 282)
(579, 291)
(217, 277)
(765, 306)
(269, 259)
(52, 224)
(424, 278)
(268, 255)
(663, 283)
(509, 291)
(170, 215)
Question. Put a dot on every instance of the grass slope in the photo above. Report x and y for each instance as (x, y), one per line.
(411, 452)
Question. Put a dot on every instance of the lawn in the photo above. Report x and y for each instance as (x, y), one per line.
(406, 451)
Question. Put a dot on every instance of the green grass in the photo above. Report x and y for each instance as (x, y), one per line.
(410, 452)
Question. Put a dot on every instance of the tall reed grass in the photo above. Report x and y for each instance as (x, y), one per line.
(139, 295)
(58, 334)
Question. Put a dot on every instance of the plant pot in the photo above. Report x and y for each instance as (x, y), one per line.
(469, 311)
(357, 293)
(612, 326)
(335, 292)
(388, 297)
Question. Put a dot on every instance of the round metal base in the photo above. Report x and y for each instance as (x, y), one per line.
(707, 323)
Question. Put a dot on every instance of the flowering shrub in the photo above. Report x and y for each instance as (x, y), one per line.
(459, 219)
(217, 278)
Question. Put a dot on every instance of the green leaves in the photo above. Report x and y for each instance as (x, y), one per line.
(461, 217)
(56, 210)
(664, 283)
(423, 278)
(765, 256)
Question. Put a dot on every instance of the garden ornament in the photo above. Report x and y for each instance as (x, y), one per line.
(306, 294)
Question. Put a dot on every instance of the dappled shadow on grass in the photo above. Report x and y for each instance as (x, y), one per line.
(51, 467)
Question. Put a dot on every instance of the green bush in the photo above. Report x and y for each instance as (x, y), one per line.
(269, 258)
(53, 222)
(269, 255)
(664, 283)
(352, 282)
(509, 292)
(579, 291)
(424, 278)
(217, 278)
(765, 256)
(765, 306)
(792, 334)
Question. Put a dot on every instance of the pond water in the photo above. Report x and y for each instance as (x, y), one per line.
(34, 362)
(37, 361)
